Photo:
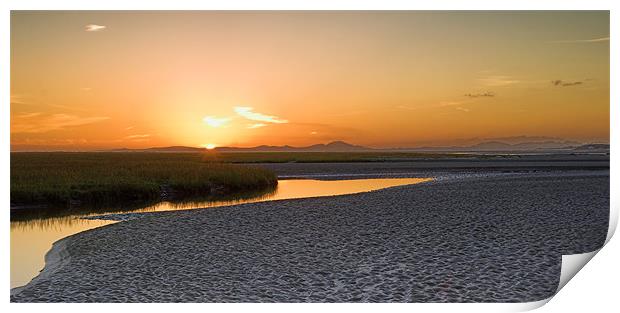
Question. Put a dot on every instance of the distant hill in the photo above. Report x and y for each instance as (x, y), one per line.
(547, 145)
(498, 146)
(491, 145)
(335, 146)
(341, 146)
(594, 147)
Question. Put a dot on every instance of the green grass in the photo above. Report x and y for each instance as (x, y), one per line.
(95, 178)
(320, 157)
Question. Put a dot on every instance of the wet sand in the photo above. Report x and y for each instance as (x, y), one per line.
(442, 166)
(480, 237)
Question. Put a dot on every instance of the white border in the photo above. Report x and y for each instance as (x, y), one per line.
(594, 286)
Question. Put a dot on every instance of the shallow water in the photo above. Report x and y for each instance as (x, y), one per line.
(32, 238)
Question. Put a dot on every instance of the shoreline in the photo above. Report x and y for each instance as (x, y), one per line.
(59, 256)
(55, 258)
(126, 216)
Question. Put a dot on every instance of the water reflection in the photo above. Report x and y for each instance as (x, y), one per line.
(33, 232)
(50, 217)
(30, 243)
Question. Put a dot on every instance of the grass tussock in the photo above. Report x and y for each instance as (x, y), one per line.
(57, 178)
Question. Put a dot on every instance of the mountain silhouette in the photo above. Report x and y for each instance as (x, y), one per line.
(341, 146)
(335, 146)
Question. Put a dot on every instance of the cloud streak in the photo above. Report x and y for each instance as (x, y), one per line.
(17, 99)
(259, 119)
(480, 95)
(29, 115)
(94, 28)
(257, 125)
(248, 113)
(602, 39)
(216, 121)
(138, 136)
(39, 123)
(449, 103)
(562, 83)
(497, 81)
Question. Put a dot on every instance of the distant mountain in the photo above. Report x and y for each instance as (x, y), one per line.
(537, 145)
(491, 145)
(513, 140)
(547, 145)
(594, 147)
(335, 146)
(341, 146)
(498, 146)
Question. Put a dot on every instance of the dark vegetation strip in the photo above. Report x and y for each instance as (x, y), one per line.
(61, 177)
(325, 157)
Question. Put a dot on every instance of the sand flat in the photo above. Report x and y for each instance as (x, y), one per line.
(467, 238)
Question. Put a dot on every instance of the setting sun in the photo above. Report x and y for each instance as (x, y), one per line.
(243, 79)
(306, 156)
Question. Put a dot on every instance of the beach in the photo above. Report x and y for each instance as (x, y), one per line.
(467, 236)
(307, 156)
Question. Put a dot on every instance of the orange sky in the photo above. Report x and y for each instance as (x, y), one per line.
(95, 80)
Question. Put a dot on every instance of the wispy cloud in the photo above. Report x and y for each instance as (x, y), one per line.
(29, 114)
(139, 137)
(497, 81)
(563, 83)
(449, 103)
(602, 39)
(40, 123)
(478, 95)
(17, 99)
(247, 112)
(21, 99)
(94, 28)
(214, 121)
(440, 104)
(257, 125)
(144, 136)
(456, 105)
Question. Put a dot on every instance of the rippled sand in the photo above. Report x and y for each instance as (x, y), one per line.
(482, 238)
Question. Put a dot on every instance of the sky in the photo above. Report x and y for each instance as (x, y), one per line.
(89, 80)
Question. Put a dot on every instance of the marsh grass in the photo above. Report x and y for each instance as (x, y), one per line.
(60, 177)
(49, 214)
